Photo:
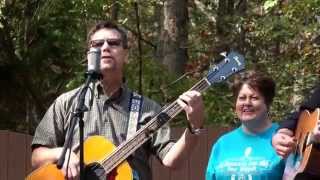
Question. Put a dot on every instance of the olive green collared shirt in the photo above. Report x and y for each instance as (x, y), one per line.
(107, 117)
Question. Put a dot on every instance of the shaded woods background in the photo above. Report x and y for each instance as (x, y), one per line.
(42, 50)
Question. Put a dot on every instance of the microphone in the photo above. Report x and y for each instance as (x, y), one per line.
(93, 72)
(93, 57)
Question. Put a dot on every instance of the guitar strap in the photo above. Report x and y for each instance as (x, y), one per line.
(135, 111)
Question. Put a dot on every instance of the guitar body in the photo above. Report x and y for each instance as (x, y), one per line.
(305, 158)
(96, 148)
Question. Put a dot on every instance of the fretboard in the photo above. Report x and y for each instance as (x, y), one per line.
(128, 147)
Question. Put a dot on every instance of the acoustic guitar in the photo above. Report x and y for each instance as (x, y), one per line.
(105, 161)
(305, 157)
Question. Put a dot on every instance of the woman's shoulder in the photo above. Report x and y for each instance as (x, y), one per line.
(229, 136)
(274, 126)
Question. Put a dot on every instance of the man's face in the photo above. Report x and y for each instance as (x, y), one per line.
(113, 55)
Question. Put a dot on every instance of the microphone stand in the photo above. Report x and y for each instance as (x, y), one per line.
(77, 116)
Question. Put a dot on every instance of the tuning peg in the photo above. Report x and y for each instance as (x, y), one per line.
(224, 54)
(234, 69)
(214, 68)
(222, 78)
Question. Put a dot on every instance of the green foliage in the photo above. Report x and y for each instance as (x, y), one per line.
(157, 83)
(269, 4)
(42, 51)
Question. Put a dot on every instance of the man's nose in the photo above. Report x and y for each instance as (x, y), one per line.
(105, 46)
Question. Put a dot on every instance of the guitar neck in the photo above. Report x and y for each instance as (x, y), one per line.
(125, 149)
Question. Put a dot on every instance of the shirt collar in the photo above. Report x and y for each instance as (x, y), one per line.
(120, 95)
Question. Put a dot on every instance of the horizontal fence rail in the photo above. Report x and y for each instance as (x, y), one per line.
(15, 156)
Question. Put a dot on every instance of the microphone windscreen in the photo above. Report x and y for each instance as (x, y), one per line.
(94, 56)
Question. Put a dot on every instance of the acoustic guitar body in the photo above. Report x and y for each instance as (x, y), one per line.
(305, 158)
(96, 148)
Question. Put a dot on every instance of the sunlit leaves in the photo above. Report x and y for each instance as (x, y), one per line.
(2, 4)
(269, 4)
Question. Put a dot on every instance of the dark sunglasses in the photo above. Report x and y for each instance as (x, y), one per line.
(111, 42)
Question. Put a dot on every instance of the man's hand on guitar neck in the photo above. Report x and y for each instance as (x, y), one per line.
(283, 142)
(192, 103)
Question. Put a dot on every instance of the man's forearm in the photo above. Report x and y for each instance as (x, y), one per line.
(44, 155)
(181, 150)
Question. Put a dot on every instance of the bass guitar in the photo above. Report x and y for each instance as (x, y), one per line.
(305, 157)
(105, 161)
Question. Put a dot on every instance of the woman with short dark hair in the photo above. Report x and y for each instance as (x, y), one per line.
(246, 152)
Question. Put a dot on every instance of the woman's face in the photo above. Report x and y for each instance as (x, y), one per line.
(250, 104)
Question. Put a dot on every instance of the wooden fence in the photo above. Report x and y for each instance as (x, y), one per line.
(15, 157)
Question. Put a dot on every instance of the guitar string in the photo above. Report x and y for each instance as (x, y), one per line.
(172, 110)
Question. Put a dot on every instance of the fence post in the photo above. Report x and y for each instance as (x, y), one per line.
(4, 154)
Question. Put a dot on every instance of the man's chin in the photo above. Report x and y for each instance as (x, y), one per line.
(107, 67)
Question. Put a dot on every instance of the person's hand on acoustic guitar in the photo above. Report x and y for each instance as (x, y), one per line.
(44, 155)
(283, 142)
(73, 172)
(192, 103)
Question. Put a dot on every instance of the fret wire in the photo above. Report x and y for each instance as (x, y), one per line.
(121, 146)
(116, 156)
(196, 86)
(172, 110)
(204, 85)
(122, 154)
(199, 86)
(142, 135)
(128, 144)
(176, 107)
(109, 163)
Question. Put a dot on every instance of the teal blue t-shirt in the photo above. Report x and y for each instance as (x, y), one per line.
(241, 156)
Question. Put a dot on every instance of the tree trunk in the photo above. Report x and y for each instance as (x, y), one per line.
(222, 36)
(242, 11)
(172, 49)
(114, 10)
